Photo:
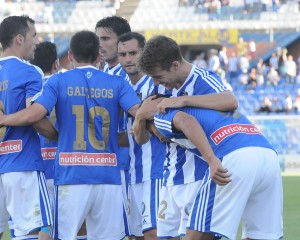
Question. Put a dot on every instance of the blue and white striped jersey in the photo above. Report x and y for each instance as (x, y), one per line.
(181, 166)
(123, 151)
(116, 70)
(147, 160)
(225, 132)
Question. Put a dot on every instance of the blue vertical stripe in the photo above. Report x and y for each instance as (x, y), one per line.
(44, 200)
(55, 228)
(181, 159)
(138, 162)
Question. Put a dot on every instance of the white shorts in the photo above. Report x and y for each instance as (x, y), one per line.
(254, 195)
(174, 208)
(101, 205)
(51, 190)
(125, 184)
(143, 199)
(24, 197)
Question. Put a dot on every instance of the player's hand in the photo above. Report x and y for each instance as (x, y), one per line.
(219, 174)
(148, 108)
(175, 102)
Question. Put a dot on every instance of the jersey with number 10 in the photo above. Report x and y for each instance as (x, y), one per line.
(87, 104)
(20, 146)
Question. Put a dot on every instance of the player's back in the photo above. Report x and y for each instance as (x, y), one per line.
(225, 132)
(20, 147)
(87, 110)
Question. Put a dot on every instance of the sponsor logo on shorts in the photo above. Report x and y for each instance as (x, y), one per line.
(12, 146)
(87, 159)
(144, 222)
(48, 153)
(226, 131)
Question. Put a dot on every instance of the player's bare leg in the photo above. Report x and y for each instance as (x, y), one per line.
(44, 235)
(196, 235)
(174, 238)
(82, 231)
(150, 235)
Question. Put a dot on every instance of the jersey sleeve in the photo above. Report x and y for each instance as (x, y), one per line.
(163, 123)
(48, 96)
(34, 82)
(128, 97)
(211, 83)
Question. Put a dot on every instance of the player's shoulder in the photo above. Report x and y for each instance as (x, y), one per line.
(116, 78)
(202, 72)
(32, 68)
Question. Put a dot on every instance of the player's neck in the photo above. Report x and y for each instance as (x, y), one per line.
(9, 52)
(136, 77)
(113, 64)
(76, 64)
(184, 72)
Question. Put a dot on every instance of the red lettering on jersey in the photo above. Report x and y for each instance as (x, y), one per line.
(11, 146)
(48, 153)
(226, 131)
(87, 159)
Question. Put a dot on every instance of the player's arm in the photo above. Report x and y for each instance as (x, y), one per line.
(139, 125)
(35, 115)
(43, 126)
(123, 139)
(224, 101)
(146, 112)
(194, 132)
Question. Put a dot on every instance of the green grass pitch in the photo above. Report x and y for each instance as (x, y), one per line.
(291, 211)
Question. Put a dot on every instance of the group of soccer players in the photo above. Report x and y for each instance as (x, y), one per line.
(195, 171)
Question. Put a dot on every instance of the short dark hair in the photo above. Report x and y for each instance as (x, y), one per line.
(159, 51)
(133, 35)
(45, 55)
(118, 24)
(11, 27)
(85, 46)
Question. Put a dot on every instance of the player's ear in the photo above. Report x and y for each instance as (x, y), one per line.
(70, 56)
(55, 65)
(19, 39)
(175, 65)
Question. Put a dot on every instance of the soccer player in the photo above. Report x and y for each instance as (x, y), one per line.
(253, 189)
(108, 30)
(46, 58)
(192, 86)
(87, 104)
(146, 161)
(23, 192)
